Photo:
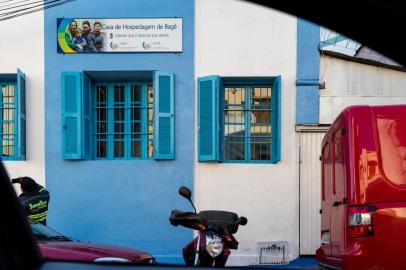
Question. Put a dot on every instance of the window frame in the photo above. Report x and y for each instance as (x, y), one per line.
(16, 134)
(248, 84)
(144, 106)
(77, 123)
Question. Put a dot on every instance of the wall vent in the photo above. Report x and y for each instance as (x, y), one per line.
(273, 253)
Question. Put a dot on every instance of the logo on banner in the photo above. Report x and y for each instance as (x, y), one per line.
(145, 45)
(113, 45)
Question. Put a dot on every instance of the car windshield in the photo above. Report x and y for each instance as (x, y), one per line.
(116, 107)
(44, 233)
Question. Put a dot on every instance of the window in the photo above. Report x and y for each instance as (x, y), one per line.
(8, 119)
(128, 119)
(326, 170)
(124, 120)
(239, 119)
(12, 116)
(247, 125)
(338, 168)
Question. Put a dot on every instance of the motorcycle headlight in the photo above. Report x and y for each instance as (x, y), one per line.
(214, 245)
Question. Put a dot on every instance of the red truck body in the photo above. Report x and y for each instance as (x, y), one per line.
(363, 200)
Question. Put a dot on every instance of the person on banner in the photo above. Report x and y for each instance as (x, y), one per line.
(79, 41)
(70, 34)
(89, 37)
(98, 37)
(34, 199)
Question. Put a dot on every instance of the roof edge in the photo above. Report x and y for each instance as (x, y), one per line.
(361, 60)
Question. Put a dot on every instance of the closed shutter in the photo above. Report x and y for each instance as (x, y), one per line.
(72, 147)
(208, 121)
(276, 120)
(21, 116)
(164, 118)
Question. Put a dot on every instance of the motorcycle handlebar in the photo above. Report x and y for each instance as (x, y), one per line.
(16, 180)
(187, 219)
(242, 221)
(196, 221)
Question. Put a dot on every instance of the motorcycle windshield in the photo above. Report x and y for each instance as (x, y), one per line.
(225, 219)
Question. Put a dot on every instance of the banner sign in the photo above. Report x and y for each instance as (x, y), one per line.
(79, 35)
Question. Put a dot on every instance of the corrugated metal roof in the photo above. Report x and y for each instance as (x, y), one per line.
(365, 61)
(365, 52)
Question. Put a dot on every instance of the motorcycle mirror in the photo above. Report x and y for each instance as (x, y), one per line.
(185, 192)
(243, 221)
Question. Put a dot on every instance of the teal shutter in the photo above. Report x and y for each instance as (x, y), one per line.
(72, 99)
(164, 120)
(208, 122)
(276, 120)
(87, 143)
(21, 116)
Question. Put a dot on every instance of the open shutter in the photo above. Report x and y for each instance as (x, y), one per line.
(208, 122)
(87, 86)
(276, 120)
(21, 116)
(164, 120)
(72, 143)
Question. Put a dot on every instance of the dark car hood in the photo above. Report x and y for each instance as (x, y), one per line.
(81, 251)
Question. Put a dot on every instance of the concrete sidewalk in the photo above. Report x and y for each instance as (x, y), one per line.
(305, 262)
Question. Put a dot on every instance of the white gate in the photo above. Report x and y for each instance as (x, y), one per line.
(310, 150)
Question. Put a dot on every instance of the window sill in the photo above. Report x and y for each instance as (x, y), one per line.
(242, 162)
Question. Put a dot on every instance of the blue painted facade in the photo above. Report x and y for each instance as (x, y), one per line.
(307, 74)
(121, 202)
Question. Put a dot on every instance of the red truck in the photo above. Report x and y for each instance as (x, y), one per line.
(363, 190)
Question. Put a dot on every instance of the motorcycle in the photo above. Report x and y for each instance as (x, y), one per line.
(215, 237)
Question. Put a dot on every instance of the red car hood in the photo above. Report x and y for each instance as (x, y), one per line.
(81, 251)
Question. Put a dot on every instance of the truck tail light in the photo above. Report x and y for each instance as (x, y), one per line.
(360, 221)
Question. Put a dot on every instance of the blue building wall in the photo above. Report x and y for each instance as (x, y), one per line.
(121, 202)
(307, 75)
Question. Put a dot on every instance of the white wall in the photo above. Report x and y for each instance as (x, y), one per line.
(22, 46)
(350, 83)
(236, 38)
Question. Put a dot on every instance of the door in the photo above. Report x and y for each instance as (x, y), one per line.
(310, 186)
